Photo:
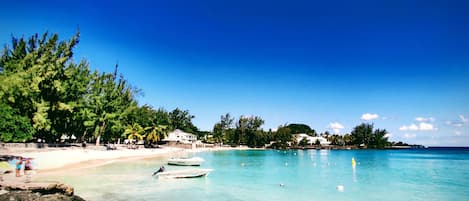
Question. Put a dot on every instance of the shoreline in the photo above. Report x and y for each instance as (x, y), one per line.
(55, 160)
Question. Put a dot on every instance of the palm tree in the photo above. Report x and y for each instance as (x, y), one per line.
(134, 131)
(156, 133)
(348, 139)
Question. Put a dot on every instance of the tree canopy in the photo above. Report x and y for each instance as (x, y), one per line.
(364, 134)
(301, 128)
(45, 94)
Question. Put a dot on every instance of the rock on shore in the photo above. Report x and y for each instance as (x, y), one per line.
(31, 196)
(38, 192)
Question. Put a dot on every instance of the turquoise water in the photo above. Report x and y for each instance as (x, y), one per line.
(304, 174)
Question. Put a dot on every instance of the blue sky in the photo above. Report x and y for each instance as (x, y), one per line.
(402, 65)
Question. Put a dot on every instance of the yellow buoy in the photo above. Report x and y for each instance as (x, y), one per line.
(353, 162)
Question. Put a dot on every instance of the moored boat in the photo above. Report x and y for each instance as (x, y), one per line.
(194, 161)
(187, 173)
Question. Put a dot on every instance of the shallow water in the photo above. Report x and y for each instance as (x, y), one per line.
(287, 175)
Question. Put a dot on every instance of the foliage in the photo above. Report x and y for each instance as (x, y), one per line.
(180, 119)
(39, 81)
(303, 142)
(283, 137)
(45, 94)
(317, 142)
(13, 127)
(301, 128)
(156, 133)
(134, 131)
(220, 129)
(246, 131)
(51, 95)
(363, 134)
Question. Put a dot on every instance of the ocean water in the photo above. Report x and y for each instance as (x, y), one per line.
(427, 174)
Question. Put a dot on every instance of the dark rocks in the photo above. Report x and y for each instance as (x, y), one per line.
(32, 196)
(38, 192)
(42, 188)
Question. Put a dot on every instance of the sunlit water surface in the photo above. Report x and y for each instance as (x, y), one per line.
(429, 174)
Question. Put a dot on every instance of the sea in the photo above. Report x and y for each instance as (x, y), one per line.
(270, 175)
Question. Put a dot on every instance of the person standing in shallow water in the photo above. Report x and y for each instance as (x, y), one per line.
(19, 163)
(28, 165)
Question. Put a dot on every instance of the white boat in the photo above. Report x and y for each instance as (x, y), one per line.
(188, 173)
(194, 161)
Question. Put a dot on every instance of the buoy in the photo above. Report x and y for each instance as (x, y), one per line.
(353, 162)
(282, 185)
(340, 188)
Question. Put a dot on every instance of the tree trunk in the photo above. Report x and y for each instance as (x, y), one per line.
(83, 137)
(97, 140)
(101, 129)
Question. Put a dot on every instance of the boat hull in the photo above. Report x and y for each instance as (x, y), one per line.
(196, 161)
(180, 174)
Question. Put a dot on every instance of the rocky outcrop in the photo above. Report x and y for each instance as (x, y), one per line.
(42, 188)
(32, 196)
(38, 191)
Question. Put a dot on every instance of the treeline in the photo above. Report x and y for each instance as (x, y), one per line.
(247, 131)
(46, 96)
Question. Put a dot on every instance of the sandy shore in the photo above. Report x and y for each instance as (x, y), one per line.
(46, 161)
(56, 159)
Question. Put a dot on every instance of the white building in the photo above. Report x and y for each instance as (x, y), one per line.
(181, 136)
(311, 140)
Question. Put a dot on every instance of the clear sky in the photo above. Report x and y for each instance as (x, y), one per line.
(400, 64)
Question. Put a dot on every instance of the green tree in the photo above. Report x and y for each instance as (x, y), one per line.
(379, 139)
(36, 79)
(317, 143)
(303, 142)
(301, 128)
(363, 134)
(348, 139)
(156, 133)
(111, 100)
(134, 131)
(14, 127)
(182, 120)
(220, 129)
(246, 130)
(283, 137)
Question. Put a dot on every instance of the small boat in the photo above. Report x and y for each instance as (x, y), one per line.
(194, 161)
(179, 174)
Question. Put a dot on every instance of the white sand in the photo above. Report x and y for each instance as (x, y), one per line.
(54, 159)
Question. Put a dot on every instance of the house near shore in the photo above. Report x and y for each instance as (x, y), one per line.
(179, 136)
(311, 140)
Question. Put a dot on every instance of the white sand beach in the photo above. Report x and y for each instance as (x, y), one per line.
(55, 159)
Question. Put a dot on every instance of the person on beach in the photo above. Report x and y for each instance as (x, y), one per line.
(28, 165)
(19, 163)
